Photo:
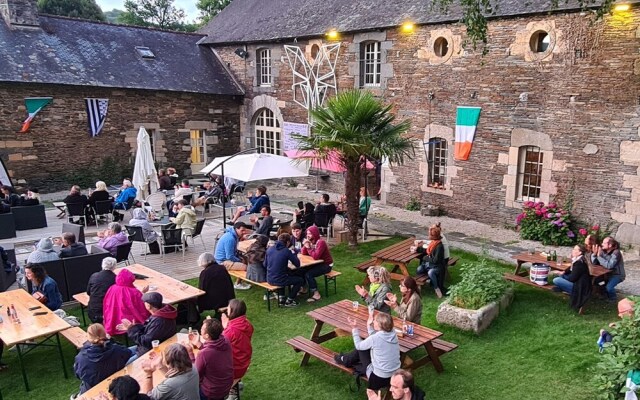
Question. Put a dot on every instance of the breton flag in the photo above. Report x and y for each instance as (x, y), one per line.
(34, 105)
(466, 124)
(96, 114)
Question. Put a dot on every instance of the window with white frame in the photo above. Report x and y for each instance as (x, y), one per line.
(263, 67)
(370, 62)
(437, 153)
(529, 173)
(268, 132)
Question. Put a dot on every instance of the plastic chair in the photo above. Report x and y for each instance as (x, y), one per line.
(127, 207)
(136, 235)
(156, 201)
(196, 232)
(324, 223)
(102, 209)
(172, 238)
(76, 210)
(123, 252)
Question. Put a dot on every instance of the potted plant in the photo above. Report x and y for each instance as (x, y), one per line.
(477, 299)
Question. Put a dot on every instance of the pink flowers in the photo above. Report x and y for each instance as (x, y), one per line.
(595, 228)
(583, 232)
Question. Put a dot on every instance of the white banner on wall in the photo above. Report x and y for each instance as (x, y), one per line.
(4, 174)
(288, 130)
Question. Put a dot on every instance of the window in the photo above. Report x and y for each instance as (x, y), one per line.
(145, 52)
(315, 49)
(441, 47)
(152, 142)
(540, 41)
(268, 133)
(529, 172)
(263, 67)
(437, 154)
(198, 146)
(370, 64)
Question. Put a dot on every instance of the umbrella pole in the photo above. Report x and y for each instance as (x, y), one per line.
(224, 203)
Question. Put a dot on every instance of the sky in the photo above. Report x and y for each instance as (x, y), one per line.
(189, 7)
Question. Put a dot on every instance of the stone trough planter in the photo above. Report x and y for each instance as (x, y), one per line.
(473, 320)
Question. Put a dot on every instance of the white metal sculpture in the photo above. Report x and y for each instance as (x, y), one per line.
(312, 81)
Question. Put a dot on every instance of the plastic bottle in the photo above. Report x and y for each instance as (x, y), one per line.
(14, 314)
(404, 325)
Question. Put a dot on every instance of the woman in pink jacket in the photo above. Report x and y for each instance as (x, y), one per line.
(238, 330)
(317, 248)
(122, 301)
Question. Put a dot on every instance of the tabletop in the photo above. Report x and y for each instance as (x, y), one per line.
(161, 222)
(134, 369)
(594, 270)
(172, 290)
(399, 252)
(281, 218)
(336, 315)
(31, 326)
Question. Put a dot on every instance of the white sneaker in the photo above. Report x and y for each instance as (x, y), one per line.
(273, 296)
(242, 286)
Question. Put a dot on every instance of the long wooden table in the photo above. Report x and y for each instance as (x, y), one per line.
(596, 271)
(41, 328)
(336, 315)
(305, 260)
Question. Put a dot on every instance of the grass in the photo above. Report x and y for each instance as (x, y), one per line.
(538, 349)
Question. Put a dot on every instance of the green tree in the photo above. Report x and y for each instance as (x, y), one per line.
(356, 125)
(85, 9)
(157, 13)
(112, 16)
(210, 8)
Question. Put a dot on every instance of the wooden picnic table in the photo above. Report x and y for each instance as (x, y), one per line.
(336, 315)
(596, 271)
(305, 260)
(41, 328)
(399, 255)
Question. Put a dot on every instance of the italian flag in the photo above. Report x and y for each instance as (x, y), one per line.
(34, 105)
(466, 124)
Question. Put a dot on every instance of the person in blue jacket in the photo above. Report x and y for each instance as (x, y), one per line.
(226, 253)
(121, 202)
(43, 287)
(276, 261)
(99, 358)
(259, 200)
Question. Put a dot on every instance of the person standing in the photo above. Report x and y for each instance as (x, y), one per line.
(609, 256)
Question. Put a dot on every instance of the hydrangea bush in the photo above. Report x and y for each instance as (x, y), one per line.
(549, 224)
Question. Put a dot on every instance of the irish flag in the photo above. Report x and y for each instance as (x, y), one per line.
(34, 105)
(466, 123)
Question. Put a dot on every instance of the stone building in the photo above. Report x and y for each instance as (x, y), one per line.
(559, 96)
(178, 90)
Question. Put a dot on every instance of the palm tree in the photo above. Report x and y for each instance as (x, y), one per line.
(357, 126)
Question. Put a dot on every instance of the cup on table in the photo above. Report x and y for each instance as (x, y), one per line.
(355, 306)
(155, 345)
(560, 260)
(153, 288)
(410, 329)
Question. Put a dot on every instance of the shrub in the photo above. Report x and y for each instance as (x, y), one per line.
(413, 205)
(292, 182)
(595, 230)
(620, 356)
(548, 224)
(480, 285)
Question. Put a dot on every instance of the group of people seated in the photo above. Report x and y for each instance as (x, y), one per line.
(123, 200)
(9, 198)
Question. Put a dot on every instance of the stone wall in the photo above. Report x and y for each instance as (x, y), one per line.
(58, 151)
(581, 93)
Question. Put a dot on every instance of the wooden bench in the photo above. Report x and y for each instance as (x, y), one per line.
(318, 351)
(443, 347)
(421, 280)
(331, 276)
(526, 281)
(363, 267)
(75, 335)
(83, 300)
(242, 275)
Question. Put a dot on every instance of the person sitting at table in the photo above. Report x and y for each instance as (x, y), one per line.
(306, 217)
(99, 194)
(257, 202)
(173, 176)
(183, 190)
(227, 250)
(577, 281)
(410, 307)
(590, 243)
(214, 362)
(161, 325)
(43, 252)
(9, 197)
(182, 381)
(43, 287)
(186, 218)
(401, 386)
(318, 249)
(150, 236)
(212, 193)
(262, 227)
(112, 237)
(276, 261)
(71, 248)
(255, 259)
(326, 207)
(164, 182)
(609, 256)
(32, 198)
(433, 262)
(99, 284)
(99, 358)
(123, 201)
(215, 281)
(298, 236)
(123, 301)
(238, 330)
(377, 356)
(380, 285)
(126, 388)
(75, 196)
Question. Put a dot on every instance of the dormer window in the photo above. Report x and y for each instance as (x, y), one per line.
(145, 52)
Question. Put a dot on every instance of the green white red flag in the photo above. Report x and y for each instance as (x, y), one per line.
(34, 105)
(466, 124)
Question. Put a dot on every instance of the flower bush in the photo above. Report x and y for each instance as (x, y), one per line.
(595, 230)
(549, 224)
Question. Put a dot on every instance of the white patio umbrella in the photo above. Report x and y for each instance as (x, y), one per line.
(255, 167)
(144, 172)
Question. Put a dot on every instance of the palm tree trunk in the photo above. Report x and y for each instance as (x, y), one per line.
(352, 191)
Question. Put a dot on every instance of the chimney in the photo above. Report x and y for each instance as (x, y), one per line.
(20, 13)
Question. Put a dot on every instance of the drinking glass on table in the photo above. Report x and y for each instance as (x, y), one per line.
(355, 306)
(155, 344)
(560, 260)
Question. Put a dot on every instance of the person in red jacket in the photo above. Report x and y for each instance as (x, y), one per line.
(238, 330)
(317, 248)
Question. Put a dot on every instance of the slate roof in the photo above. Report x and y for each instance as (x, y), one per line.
(86, 53)
(245, 21)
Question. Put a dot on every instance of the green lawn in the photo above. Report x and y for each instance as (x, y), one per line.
(538, 349)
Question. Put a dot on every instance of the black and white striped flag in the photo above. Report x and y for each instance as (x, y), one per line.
(96, 114)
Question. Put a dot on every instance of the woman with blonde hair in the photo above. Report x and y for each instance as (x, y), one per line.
(100, 194)
(380, 286)
(99, 358)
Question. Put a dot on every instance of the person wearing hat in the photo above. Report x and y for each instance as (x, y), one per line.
(226, 253)
(161, 325)
(44, 252)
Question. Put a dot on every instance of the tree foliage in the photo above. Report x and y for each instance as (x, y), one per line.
(112, 16)
(155, 13)
(357, 126)
(85, 9)
(476, 12)
(210, 8)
